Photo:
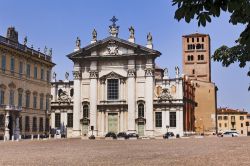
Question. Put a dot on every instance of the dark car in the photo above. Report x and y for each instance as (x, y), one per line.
(168, 134)
(111, 134)
(122, 135)
(133, 135)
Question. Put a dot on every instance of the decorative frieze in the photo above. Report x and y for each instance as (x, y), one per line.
(149, 72)
(131, 72)
(77, 75)
(93, 74)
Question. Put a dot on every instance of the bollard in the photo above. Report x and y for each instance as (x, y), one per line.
(4, 139)
(12, 138)
(49, 136)
(32, 136)
(20, 137)
(38, 137)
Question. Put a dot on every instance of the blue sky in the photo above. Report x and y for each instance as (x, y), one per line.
(57, 23)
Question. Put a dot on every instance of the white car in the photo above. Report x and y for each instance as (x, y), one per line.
(230, 134)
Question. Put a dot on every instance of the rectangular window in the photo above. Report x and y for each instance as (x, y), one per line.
(57, 120)
(113, 89)
(1, 97)
(70, 120)
(42, 74)
(27, 123)
(34, 126)
(158, 119)
(20, 99)
(20, 124)
(11, 98)
(41, 102)
(219, 117)
(28, 70)
(35, 72)
(225, 117)
(3, 63)
(192, 39)
(233, 118)
(202, 39)
(41, 125)
(20, 72)
(241, 125)
(2, 120)
(34, 102)
(197, 39)
(12, 65)
(219, 124)
(27, 100)
(241, 117)
(48, 76)
(47, 102)
(172, 119)
(225, 124)
(188, 40)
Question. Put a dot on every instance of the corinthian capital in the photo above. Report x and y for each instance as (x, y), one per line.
(93, 74)
(131, 72)
(77, 75)
(149, 72)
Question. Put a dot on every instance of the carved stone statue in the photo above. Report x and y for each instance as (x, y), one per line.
(45, 50)
(132, 32)
(177, 71)
(66, 76)
(25, 40)
(78, 43)
(149, 38)
(165, 72)
(94, 35)
(50, 52)
(54, 76)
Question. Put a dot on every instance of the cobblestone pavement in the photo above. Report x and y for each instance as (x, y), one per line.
(190, 151)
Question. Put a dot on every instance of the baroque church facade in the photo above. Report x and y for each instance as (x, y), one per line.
(117, 87)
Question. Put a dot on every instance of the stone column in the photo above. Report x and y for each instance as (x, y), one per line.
(7, 130)
(131, 100)
(77, 102)
(149, 88)
(93, 99)
(121, 121)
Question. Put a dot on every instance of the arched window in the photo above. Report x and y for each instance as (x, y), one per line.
(140, 110)
(86, 111)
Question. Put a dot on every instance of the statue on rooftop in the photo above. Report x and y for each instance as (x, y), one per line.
(45, 50)
(54, 76)
(149, 38)
(177, 71)
(25, 40)
(132, 32)
(66, 76)
(50, 52)
(94, 35)
(78, 43)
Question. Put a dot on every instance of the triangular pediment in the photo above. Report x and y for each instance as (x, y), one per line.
(112, 47)
(112, 75)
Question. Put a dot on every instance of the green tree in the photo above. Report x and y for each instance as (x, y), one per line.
(203, 10)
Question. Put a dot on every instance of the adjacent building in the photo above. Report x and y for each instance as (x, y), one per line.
(24, 87)
(117, 87)
(233, 120)
(196, 62)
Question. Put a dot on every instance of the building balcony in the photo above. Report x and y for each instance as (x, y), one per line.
(11, 108)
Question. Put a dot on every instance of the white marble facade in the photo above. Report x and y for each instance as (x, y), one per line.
(116, 89)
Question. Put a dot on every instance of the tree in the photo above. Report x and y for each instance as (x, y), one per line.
(203, 10)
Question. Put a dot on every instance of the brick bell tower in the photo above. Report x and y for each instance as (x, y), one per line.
(196, 56)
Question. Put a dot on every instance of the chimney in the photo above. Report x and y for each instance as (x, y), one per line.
(12, 34)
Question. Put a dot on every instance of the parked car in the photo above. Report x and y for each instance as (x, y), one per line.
(111, 134)
(133, 135)
(92, 137)
(230, 134)
(122, 135)
(168, 134)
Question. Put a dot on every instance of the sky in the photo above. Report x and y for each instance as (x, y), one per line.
(56, 24)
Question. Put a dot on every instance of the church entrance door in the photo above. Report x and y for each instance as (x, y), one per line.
(141, 128)
(113, 122)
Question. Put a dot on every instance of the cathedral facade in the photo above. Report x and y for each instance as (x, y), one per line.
(117, 87)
